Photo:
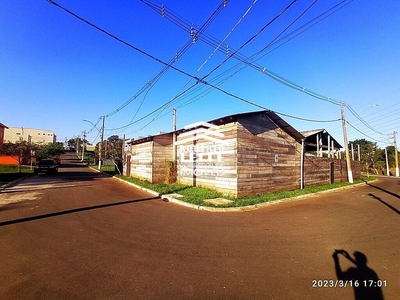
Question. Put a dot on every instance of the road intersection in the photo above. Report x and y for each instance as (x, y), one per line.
(82, 235)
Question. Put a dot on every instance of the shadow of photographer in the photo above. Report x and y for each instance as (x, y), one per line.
(364, 280)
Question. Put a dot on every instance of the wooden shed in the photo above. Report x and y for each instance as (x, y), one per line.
(145, 157)
(239, 155)
(243, 154)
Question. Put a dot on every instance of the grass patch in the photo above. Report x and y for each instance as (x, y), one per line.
(10, 173)
(196, 195)
(107, 169)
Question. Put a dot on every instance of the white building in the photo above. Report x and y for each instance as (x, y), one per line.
(35, 136)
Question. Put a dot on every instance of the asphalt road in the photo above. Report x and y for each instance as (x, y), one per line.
(81, 235)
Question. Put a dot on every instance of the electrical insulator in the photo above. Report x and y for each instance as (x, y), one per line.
(227, 50)
(193, 34)
(162, 10)
(176, 56)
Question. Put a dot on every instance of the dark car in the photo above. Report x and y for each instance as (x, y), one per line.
(47, 165)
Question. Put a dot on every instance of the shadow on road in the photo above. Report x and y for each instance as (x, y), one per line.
(383, 190)
(75, 210)
(380, 200)
(383, 202)
(365, 282)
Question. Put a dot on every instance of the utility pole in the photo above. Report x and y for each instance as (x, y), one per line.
(101, 142)
(387, 162)
(395, 153)
(84, 144)
(174, 137)
(346, 145)
(77, 145)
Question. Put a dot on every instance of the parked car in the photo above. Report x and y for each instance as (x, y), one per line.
(47, 165)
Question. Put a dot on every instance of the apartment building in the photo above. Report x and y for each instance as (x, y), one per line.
(35, 136)
(2, 128)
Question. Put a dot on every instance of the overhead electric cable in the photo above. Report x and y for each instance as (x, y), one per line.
(245, 43)
(380, 141)
(176, 56)
(271, 74)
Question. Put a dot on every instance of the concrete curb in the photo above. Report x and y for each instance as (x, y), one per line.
(167, 198)
(139, 187)
(7, 185)
(255, 206)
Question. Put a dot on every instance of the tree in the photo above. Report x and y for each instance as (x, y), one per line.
(370, 155)
(114, 147)
(71, 143)
(48, 150)
(20, 151)
(391, 157)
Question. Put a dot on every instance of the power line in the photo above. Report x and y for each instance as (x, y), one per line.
(250, 61)
(262, 29)
(380, 141)
(176, 56)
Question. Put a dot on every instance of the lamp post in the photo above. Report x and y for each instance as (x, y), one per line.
(372, 105)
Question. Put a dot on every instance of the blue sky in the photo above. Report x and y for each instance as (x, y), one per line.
(57, 71)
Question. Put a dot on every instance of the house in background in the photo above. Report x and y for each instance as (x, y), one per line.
(239, 155)
(2, 128)
(35, 136)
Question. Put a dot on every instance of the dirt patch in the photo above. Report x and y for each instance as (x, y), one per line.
(218, 201)
(8, 198)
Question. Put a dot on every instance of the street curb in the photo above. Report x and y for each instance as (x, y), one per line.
(7, 185)
(139, 187)
(167, 198)
(255, 206)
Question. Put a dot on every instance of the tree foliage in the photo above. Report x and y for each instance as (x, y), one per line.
(114, 147)
(372, 158)
(20, 151)
(48, 150)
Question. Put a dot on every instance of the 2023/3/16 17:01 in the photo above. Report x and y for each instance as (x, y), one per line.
(348, 283)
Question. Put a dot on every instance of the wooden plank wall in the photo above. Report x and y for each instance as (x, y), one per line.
(317, 170)
(268, 158)
(162, 152)
(142, 160)
(210, 163)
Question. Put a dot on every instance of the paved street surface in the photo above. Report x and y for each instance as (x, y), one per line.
(79, 234)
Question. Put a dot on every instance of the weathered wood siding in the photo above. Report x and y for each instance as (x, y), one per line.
(248, 156)
(209, 161)
(162, 152)
(268, 158)
(142, 161)
(317, 170)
